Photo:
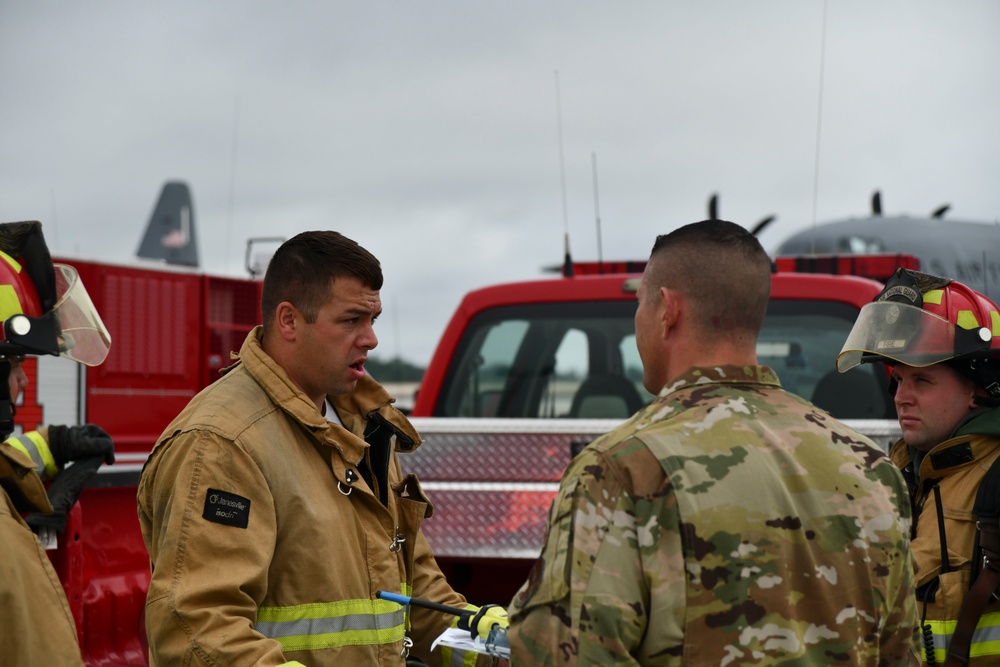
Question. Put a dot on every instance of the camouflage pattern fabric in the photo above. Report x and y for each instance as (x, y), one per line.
(728, 523)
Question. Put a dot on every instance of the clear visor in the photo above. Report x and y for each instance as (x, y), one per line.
(898, 332)
(84, 337)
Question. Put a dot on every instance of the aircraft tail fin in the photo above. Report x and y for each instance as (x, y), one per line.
(170, 233)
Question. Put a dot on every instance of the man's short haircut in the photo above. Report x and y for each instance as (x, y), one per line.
(303, 269)
(721, 269)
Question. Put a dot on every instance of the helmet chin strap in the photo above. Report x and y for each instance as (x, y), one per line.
(7, 408)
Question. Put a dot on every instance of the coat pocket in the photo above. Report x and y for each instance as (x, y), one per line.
(413, 507)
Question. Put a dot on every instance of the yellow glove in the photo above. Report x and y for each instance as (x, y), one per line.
(480, 624)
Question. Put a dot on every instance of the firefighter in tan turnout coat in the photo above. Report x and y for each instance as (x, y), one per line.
(274, 507)
(941, 341)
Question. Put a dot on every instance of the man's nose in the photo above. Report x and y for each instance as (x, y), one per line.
(20, 380)
(903, 394)
(369, 340)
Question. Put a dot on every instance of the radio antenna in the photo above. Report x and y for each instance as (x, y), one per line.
(567, 260)
(819, 125)
(597, 210)
(232, 182)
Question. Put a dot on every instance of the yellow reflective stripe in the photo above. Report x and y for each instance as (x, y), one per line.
(934, 296)
(14, 264)
(51, 469)
(985, 639)
(407, 590)
(9, 303)
(37, 449)
(453, 658)
(311, 627)
(26, 449)
(967, 319)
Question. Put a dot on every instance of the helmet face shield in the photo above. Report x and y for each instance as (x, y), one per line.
(897, 332)
(82, 334)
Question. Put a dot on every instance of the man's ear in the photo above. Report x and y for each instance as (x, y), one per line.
(671, 304)
(287, 320)
(977, 392)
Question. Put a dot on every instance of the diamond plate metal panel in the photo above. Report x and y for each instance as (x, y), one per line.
(491, 481)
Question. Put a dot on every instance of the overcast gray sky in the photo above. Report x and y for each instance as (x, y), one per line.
(427, 130)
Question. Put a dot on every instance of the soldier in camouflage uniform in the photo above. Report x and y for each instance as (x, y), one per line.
(729, 522)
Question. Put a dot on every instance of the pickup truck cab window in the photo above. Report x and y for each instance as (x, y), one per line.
(579, 360)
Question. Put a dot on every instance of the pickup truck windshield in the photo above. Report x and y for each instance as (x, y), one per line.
(579, 360)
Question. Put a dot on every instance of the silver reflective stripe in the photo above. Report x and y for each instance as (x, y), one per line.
(32, 449)
(332, 625)
(319, 626)
(987, 634)
(459, 658)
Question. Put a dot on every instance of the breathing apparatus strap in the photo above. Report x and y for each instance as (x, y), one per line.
(979, 595)
(6, 403)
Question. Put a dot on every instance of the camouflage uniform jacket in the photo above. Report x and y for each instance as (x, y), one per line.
(728, 523)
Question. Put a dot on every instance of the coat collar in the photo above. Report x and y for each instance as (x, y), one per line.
(17, 470)
(355, 408)
(721, 375)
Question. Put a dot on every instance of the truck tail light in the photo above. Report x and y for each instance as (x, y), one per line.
(601, 268)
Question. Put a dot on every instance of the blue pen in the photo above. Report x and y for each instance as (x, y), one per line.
(406, 599)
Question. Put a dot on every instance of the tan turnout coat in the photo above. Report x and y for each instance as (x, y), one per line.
(268, 546)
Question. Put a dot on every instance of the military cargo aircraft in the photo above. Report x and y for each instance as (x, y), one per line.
(963, 250)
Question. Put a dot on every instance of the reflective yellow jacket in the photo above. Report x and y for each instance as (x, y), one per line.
(267, 544)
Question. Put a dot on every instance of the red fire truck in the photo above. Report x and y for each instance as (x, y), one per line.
(524, 374)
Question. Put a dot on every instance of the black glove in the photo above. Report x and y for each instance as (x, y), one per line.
(72, 443)
(63, 494)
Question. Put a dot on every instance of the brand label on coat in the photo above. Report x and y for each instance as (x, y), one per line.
(227, 508)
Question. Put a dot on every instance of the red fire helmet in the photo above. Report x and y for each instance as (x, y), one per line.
(919, 320)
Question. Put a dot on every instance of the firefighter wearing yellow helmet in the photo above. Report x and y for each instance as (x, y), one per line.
(940, 340)
(44, 310)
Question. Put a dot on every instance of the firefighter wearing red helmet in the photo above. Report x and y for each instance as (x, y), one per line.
(940, 340)
(44, 309)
